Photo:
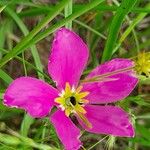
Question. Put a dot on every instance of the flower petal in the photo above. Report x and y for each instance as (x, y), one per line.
(67, 132)
(31, 94)
(116, 87)
(68, 58)
(108, 120)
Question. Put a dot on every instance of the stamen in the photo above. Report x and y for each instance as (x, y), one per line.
(85, 120)
(82, 95)
(78, 90)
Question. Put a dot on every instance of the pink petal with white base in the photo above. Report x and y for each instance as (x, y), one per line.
(108, 90)
(68, 58)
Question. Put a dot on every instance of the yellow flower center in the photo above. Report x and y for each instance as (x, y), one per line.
(143, 64)
(72, 100)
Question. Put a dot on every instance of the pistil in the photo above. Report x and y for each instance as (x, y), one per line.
(73, 101)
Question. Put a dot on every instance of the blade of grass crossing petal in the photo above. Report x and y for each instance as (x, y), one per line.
(17, 49)
(115, 26)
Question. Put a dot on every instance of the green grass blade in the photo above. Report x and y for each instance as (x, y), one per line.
(43, 10)
(115, 26)
(90, 29)
(15, 140)
(73, 16)
(4, 76)
(68, 11)
(2, 8)
(26, 32)
(20, 47)
(114, 8)
(133, 24)
(138, 19)
(25, 125)
(27, 63)
(36, 30)
(133, 31)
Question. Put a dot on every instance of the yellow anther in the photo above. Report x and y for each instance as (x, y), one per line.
(59, 100)
(84, 119)
(80, 109)
(67, 111)
(82, 95)
(68, 90)
(78, 90)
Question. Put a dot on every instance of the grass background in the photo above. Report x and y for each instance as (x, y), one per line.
(111, 28)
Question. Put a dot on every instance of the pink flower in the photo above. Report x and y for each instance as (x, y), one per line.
(68, 58)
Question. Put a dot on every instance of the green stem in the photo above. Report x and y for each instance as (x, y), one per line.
(97, 143)
(25, 125)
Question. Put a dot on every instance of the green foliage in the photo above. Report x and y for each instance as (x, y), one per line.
(111, 29)
(115, 26)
